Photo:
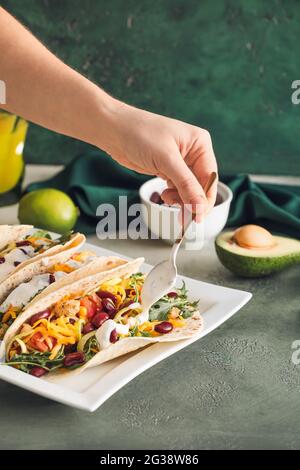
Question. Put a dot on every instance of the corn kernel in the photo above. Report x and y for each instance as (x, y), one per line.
(83, 312)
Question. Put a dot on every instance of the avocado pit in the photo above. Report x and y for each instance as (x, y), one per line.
(253, 237)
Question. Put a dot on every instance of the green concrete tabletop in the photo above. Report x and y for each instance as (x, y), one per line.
(235, 388)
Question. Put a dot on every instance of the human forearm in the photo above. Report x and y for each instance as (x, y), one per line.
(44, 90)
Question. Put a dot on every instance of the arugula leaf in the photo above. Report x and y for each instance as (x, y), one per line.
(182, 291)
(134, 331)
(137, 276)
(92, 343)
(145, 333)
(136, 280)
(41, 234)
(65, 237)
(25, 362)
(160, 310)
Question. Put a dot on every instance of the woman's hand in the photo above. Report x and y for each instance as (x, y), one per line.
(44, 90)
(179, 153)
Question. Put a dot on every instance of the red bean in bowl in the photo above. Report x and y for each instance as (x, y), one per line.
(156, 198)
(39, 316)
(73, 359)
(2, 259)
(163, 327)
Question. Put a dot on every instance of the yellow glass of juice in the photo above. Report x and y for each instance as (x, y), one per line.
(13, 132)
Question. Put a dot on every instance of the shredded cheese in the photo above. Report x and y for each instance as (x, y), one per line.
(62, 268)
(11, 313)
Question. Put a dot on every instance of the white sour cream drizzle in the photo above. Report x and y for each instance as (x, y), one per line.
(142, 317)
(103, 333)
(22, 294)
(18, 255)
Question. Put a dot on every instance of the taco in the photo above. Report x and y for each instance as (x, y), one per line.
(9, 233)
(95, 320)
(27, 254)
(79, 265)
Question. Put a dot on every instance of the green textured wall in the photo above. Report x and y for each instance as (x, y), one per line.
(226, 65)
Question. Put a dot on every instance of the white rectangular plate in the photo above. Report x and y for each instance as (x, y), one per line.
(94, 386)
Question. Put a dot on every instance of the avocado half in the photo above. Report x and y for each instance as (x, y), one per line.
(249, 262)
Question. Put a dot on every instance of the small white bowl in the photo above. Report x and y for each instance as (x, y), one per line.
(163, 220)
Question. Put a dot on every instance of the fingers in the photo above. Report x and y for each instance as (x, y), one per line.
(211, 194)
(189, 175)
(171, 197)
(202, 162)
(188, 187)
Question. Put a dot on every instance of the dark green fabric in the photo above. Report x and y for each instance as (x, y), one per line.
(275, 207)
(95, 179)
(91, 180)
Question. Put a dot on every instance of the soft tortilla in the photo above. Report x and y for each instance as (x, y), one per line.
(80, 287)
(40, 264)
(124, 346)
(11, 233)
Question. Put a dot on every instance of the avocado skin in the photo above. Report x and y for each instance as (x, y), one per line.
(248, 266)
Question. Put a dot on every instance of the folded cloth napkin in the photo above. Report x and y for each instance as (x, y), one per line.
(273, 206)
(95, 179)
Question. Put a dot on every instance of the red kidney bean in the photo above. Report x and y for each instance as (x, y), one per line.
(38, 371)
(72, 321)
(16, 263)
(113, 336)
(88, 328)
(39, 316)
(73, 359)
(109, 307)
(99, 318)
(70, 348)
(51, 278)
(163, 327)
(172, 294)
(23, 243)
(2, 259)
(156, 198)
(104, 294)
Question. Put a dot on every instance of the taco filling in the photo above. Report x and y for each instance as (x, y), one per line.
(17, 252)
(72, 331)
(20, 297)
